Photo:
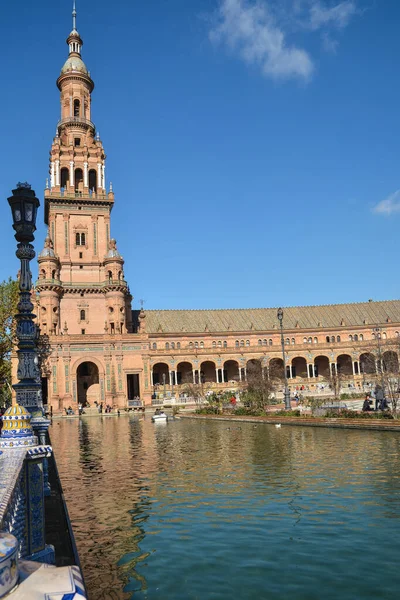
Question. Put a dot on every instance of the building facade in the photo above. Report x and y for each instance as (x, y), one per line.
(103, 351)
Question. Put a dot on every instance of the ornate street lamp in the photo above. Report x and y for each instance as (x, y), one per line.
(24, 205)
(381, 395)
(286, 393)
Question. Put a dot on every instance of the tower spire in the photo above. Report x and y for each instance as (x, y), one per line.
(73, 16)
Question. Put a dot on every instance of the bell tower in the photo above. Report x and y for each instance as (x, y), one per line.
(74, 281)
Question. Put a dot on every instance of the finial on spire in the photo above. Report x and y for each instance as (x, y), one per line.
(73, 16)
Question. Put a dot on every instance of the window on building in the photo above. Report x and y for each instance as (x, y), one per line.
(214, 344)
(242, 343)
(328, 339)
(83, 331)
(247, 342)
(332, 339)
(315, 340)
(83, 315)
(270, 342)
(80, 254)
(196, 344)
(167, 345)
(259, 342)
(361, 337)
(337, 338)
(356, 338)
(225, 344)
(77, 141)
(304, 340)
(219, 344)
(77, 106)
(112, 327)
(178, 345)
(350, 338)
(293, 341)
(154, 346)
(287, 341)
(264, 342)
(190, 344)
(237, 344)
(80, 239)
(172, 345)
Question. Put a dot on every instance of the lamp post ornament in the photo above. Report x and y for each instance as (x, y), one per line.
(286, 393)
(24, 207)
(28, 390)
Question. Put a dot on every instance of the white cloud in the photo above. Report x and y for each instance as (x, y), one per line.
(338, 15)
(390, 205)
(257, 31)
(250, 30)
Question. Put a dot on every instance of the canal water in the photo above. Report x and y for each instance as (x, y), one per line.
(218, 510)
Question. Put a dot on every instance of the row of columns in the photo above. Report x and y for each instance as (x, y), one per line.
(219, 372)
(55, 174)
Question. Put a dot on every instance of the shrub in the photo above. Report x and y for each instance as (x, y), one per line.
(287, 413)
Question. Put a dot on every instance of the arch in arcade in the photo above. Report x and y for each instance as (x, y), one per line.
(367, 363)
(391, 362)
(88, 383)
(275, 368)
(160, 374)
(321, 367)
(344, 364)
(207, 372)
(231, 370)
(299, 367)
(185, 372)
(253, 369)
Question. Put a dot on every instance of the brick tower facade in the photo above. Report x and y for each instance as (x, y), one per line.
(81, 290)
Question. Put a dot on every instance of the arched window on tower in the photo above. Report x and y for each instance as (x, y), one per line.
(109, 276)
(77, 108)
(83, 315)
(78, 180)
(92, 180)
(64, 177)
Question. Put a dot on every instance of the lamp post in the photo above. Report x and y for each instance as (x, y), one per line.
(24, 206)
(286, 393)
(378, 338)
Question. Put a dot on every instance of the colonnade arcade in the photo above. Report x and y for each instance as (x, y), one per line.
(220, 371)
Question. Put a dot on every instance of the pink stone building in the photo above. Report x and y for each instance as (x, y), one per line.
(104, 351)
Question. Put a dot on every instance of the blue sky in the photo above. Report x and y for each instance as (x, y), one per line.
(253, 147)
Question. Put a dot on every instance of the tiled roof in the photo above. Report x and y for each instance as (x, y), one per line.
(265, 319)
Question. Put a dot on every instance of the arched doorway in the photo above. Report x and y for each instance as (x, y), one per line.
(275, 368)
(185, 373)
(231, 370)
(253, 370)
(344, 364)
(391, 362)
(160, 374)
(299, 367)
(321, 367)
(207, 372)
(367, 363)
(87, 379)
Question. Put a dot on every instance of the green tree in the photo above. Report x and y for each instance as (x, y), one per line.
(9, 291)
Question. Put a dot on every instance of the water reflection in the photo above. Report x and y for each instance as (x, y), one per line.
(194, 509)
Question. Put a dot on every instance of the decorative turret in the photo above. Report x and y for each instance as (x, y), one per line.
(116, 290)
(77, 158)
(49, 288)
